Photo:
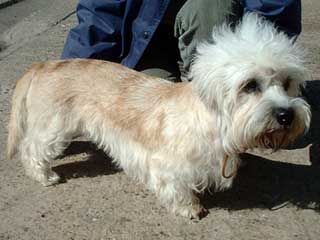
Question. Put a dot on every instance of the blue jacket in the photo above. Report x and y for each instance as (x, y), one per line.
(120, 30)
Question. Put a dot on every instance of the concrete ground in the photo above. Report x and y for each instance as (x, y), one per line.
(275, 196)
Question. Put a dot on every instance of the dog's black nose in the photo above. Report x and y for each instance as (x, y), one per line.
(284, 116)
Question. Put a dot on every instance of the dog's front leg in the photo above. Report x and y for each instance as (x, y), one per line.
(192, 210)
(174, 193)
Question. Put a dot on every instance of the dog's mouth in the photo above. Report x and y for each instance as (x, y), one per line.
(273, 139)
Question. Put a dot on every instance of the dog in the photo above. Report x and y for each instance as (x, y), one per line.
(176, 138)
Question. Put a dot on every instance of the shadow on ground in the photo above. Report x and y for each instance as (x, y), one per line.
(98, 163)
(263, 183)
(312, 94)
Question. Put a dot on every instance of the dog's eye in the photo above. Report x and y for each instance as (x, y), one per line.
(286, 84)
(252, 86)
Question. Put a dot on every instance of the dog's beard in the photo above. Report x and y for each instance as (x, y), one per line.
(256, 127)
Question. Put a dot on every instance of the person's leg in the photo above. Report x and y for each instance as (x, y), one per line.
(161, 56)
(195, 21)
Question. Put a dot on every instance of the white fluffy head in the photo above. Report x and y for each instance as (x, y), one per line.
(246, 76)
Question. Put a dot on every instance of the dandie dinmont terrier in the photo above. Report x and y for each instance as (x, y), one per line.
(176, 138)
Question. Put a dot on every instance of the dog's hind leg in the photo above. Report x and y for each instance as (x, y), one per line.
(37, 151)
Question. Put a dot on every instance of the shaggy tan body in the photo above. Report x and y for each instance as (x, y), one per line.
(123, 97)
(155, 130)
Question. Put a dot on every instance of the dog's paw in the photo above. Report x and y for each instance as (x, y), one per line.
(192, 211)
(45, 177)
(51, 179)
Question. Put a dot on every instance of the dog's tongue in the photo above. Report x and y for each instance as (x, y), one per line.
(274, 139)
(267, 140)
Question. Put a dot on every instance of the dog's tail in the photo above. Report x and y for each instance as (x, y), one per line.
(18, 116)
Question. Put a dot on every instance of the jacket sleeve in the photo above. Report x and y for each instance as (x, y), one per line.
(98, 34)
(286, 14)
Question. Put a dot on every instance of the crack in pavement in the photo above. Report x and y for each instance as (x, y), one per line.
(8, 50)
(9, 3)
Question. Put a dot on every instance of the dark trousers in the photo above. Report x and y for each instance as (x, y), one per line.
(186, 23)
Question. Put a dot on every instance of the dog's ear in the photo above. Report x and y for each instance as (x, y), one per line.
(212, 78)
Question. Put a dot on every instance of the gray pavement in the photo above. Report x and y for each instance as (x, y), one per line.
(276, 196)
(23, 22)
